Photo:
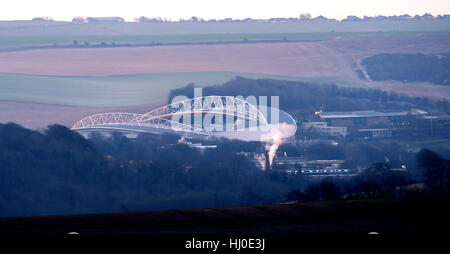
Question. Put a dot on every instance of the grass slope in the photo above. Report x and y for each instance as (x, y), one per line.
(30, 41)
(117, 90)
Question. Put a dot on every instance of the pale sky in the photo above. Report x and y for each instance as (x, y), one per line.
(208, 9)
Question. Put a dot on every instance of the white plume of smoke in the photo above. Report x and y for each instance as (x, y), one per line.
(277, 135)
(181, 140)
(272, 150)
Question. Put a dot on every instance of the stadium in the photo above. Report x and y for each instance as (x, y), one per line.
(200, 117)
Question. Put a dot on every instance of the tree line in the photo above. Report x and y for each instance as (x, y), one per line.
(409, 67)
(58, 171)
(302, 99)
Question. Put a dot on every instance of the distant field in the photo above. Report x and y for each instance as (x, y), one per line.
(116, 90)
(419, 89)
(39, 116)
(333, 60)
(305, 59)
(17, 42)
(143, 75)
(100, 91)
(17, 34)
(46, 28)
(339, 56)
(29, 42)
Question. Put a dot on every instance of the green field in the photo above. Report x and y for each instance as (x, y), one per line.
(116, 90)
(23, 42)
(95, 40)
(21, 34)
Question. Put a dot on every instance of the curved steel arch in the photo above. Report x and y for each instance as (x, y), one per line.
(104, 119)
(160, 118)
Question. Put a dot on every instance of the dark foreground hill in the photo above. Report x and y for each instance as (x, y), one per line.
(388, 216)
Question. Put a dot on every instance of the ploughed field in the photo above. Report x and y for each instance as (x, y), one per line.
(337, 56)
(287, 59)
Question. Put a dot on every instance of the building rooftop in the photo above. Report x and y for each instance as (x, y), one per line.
(444, 117)
(360, 114)
(377, 129)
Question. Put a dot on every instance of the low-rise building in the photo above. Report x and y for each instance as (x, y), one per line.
(323, 129)
(438, 126)
(105, 19)
(361, 119)
(375, 133)
(303, 166)
(374, 124)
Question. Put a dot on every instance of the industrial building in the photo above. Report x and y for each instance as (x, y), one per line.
(364, 119)
(369, 123)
